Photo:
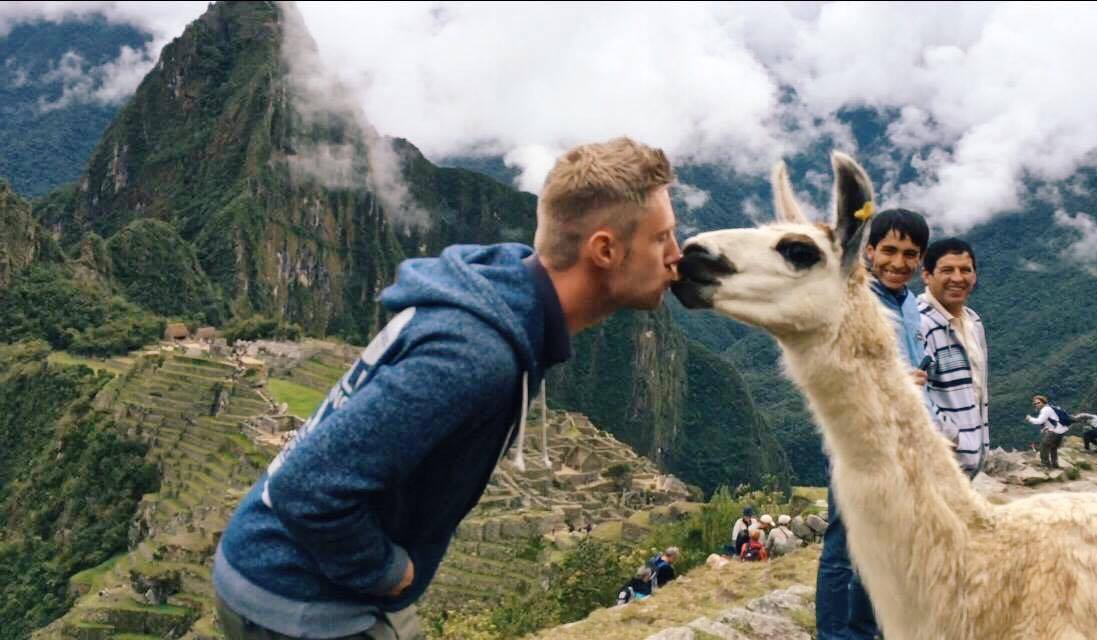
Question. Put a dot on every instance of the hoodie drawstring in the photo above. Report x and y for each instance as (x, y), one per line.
(544, 425)
(520, 441)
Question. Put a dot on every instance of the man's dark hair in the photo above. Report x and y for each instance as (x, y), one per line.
(906, 224)
(947, 246)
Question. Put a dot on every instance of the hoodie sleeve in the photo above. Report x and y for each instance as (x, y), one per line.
(327, 490)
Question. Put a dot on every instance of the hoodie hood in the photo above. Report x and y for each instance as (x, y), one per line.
(488, 281)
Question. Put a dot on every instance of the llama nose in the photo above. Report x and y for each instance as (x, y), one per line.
(702, 266)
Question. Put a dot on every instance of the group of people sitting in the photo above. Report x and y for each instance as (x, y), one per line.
(756, 539)
(655, 573)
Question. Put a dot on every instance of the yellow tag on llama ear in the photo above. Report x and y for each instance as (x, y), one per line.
(865, 212)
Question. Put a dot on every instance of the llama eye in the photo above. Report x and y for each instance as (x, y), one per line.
(799, 253)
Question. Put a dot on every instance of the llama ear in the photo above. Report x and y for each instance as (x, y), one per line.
(853, 207)
(784, 200)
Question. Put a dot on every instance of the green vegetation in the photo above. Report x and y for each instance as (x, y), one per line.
(69, 485)
(588, 576)
(260, 328)
(158, 270)
(302, 401)
(46, 302)
(681, 406)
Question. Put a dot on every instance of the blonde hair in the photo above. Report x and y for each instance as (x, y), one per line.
(1040, 398)
(596, 185)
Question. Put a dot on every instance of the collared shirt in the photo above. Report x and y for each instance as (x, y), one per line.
(977, 357)
(557, 346)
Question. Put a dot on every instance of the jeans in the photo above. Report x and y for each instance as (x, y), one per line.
(402, 625)
(842, 608)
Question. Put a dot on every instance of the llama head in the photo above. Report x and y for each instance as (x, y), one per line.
(789, 277)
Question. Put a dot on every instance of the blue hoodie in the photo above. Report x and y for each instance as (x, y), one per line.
(401, 449)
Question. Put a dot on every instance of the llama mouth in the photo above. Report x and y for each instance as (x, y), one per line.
(699, 274)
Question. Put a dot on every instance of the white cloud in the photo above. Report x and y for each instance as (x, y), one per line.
(987, 95)
(116, 80)
(690, 195)
(1033, 266)
(109, 83)
(1082, 249)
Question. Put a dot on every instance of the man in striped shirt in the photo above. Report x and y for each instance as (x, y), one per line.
(957, 347)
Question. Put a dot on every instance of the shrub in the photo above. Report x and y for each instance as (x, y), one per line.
(261, 328)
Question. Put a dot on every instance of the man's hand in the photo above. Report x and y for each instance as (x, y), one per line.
(409, 575)
(920, 377)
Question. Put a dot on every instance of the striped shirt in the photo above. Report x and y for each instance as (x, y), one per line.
(962, 400)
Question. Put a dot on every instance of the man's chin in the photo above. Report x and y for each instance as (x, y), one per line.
(648, 304)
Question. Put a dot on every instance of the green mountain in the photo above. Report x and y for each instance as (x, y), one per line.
(69, 485)
(45, 142)
(23, 242)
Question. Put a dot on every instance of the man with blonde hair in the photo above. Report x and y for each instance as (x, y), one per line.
(346, 529)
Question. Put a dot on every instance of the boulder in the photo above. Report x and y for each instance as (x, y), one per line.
(800, 528)
(816, 524)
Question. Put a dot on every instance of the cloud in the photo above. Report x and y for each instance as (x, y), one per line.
(116, 80)
(1082, 249)
(110, 83)
(362, 158)
(693, 197)
(985, 97)
(1033, 266)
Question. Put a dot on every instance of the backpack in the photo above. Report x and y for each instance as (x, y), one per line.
(626, 595)
(753, 553)
(1062, 416)
(656, 563)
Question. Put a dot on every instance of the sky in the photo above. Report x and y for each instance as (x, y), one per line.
(984, 95)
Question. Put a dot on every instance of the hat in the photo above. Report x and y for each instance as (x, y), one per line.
(766, 519)
(747, 511)
(784, 519)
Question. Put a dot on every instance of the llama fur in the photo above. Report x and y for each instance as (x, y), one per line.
(938, 560)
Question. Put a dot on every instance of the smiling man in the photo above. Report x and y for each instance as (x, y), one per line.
(956, 342)
(897, 239)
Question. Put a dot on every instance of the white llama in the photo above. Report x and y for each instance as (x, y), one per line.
(938, 560)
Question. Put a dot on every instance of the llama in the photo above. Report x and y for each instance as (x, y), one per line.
(938, 560)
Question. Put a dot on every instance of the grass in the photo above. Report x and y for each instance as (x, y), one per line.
(90, 577)
(64, 358)
(302, 400)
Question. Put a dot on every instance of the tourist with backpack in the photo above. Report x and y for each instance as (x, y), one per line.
(781, 539)
(662, 567)
(1053, 423)
(740, 533)
(755, 550)
(638, 588)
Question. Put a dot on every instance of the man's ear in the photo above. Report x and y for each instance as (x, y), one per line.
(604, 249)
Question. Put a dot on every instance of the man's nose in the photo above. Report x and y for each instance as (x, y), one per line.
(675, 255)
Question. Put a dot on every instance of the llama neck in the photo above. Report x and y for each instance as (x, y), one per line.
(898, 488)
(878, 433)
(872, 416)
